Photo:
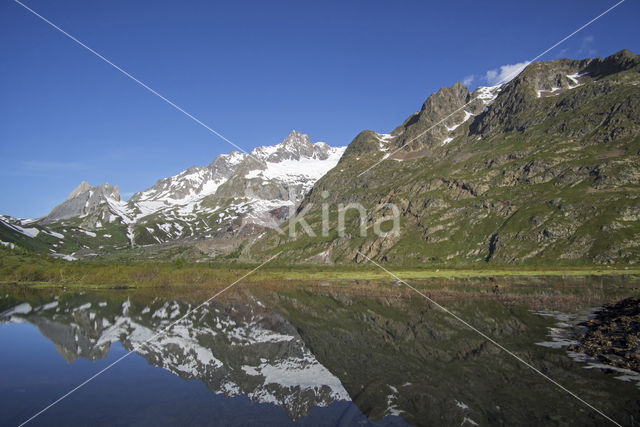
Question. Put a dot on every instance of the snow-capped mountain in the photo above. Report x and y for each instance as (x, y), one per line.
(238, 194)
(189, 185)
(278, 173)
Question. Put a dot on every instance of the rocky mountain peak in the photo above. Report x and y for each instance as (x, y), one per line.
(445, 99)
(115, 192)
(420, 129)
(294, 147)
(296, 139)
(104, 190)
(289, 170)
(276, 175)
(82, 201)
(620, 61)
(512, 110)
(82, 188)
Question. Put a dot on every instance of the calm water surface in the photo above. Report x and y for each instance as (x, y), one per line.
(330, 354)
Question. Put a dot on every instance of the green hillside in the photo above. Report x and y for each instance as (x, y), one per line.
(549, 173)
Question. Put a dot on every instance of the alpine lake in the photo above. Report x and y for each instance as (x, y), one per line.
(344, 352)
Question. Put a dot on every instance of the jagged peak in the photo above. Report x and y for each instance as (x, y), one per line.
(458, 86)
(619, 61)
(106, 189)
(624, 54)
(82, 201)
(456, 94)
(295, 145)
(296, 138)
(115, 192)
(80, 189)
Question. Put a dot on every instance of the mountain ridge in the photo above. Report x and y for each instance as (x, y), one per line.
(543, 168)
(235, 193)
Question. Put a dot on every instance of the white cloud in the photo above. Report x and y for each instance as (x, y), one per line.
(586, 46)
(468, 80)
(505, 73)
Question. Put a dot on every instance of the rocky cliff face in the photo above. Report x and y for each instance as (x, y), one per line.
(84, 201)
(542, 169)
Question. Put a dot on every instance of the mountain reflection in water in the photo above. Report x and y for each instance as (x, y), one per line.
(320, 357)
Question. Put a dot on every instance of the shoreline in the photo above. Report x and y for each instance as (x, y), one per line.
(115, 276)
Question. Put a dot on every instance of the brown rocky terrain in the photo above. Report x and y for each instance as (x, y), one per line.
(613, 336)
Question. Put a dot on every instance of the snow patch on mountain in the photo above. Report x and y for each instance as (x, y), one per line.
(304, 169)
(575, 79)
(488, 94)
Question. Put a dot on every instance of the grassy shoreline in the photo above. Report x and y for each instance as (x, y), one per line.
(453, 273)
(29, 269)
(161, 275)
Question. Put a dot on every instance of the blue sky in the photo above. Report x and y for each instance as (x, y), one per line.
(251, 70)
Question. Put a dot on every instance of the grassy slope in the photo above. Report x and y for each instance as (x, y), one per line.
(563, 191)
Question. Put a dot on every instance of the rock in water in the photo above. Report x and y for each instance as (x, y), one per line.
(613, 336)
